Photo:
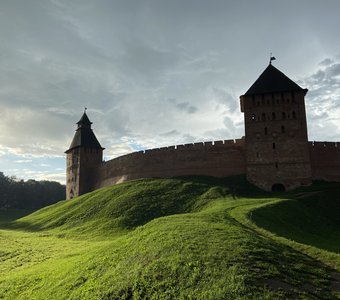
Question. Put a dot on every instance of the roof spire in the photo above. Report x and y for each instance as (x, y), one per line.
(84, 120)
(84, 136)
(271, 58)
(273, 80)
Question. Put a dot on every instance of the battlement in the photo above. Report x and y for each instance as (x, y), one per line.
(236, 143)
(324, 145)
(200, 145)
(216, 158)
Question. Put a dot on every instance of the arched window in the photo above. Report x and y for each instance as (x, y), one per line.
(265, 130)
(263, 116)
(294, 115)
(274, 146)
(253, 117)
(283, 130)
(283, 115)
(273, 116)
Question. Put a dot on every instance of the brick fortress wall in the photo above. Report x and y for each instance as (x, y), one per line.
(219, 159)
(325, 160)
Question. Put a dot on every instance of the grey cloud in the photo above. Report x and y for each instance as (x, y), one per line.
(324, 83)
(145, 59)
(185, 106)
(333, 70)
(224, 97)
(218, 134)
(228, 123)
(323, 100)
(326, 62)
(187, 139)
(170, 133)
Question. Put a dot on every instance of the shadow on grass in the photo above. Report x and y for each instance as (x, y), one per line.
(237, 185)
(310, 216)
(10, 215)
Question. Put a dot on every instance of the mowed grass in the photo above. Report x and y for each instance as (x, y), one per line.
(189, 238)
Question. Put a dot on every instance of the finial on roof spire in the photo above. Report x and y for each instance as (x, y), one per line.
(271, 58)
(85, 109)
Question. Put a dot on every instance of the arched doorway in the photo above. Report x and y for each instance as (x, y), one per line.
(278, 187)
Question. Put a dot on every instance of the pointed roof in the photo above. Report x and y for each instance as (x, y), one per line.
(84, 120)
(84, 136)
(273, 80)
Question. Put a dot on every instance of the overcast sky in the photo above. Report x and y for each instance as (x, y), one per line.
(153, 73)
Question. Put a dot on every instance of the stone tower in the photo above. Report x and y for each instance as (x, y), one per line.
(277, 154)
(83, 155)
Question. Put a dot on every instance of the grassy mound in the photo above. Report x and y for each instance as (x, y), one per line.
(311, 218)
(193, 238)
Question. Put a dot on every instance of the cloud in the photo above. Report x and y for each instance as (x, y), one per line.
(170, 133)
(323, 101)
(224, 97)
(326, 62)
(185, 106)
(23, 161)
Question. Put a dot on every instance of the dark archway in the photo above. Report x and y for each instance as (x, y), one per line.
(278, 187)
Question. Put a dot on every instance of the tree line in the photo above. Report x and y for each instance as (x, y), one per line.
(30, 194)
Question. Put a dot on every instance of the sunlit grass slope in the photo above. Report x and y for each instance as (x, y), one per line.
(189, 238)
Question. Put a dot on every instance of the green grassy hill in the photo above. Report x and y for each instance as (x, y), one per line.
(188, 238)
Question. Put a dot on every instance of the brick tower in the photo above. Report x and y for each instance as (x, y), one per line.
(83, 155)
(277, 154)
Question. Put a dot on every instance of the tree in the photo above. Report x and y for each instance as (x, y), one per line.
(30, 194)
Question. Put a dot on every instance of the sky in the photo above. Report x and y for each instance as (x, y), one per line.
(153, 73)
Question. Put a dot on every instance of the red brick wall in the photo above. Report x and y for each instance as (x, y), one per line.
(219, 159)
(325, 160)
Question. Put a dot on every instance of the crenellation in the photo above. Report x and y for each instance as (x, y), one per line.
(330, 144)
(229, 141)
(319, 145)
(324, 147)
(188, 146)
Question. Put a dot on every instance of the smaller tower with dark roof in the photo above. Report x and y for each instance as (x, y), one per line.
(84, 154)
(277, 154)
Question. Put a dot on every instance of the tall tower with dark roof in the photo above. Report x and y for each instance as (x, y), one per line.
(277, 154)
(84, 154)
